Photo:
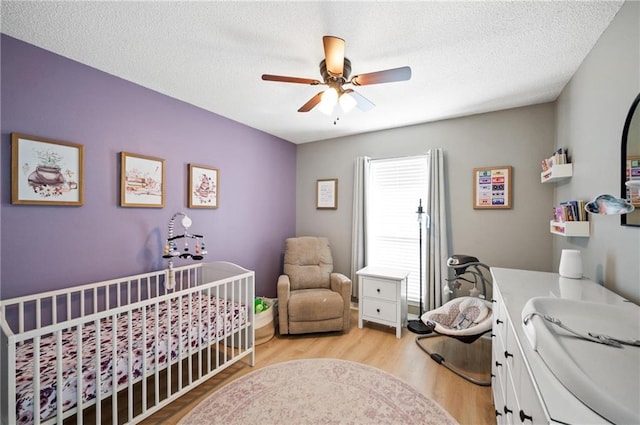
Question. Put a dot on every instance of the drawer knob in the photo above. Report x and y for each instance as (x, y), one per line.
(498, 413)
(507, 354)
(378, 290)
(498, 321)
(377, 310)
(494, 301)
(507, 410)
(525, 417)
(498, 364)
(493, 335)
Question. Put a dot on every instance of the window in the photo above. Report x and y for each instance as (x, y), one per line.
(397, 185)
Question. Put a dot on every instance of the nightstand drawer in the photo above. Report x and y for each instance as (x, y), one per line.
(379, 310)
(382, 289)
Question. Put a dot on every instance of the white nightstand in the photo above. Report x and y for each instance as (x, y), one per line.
(382, 294)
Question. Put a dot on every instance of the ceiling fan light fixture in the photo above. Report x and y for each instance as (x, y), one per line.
(329, 100)
(347, 102)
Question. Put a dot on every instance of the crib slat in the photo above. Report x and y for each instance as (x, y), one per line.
(169, 344)
(156, 356)
(130, 365)
(179, 349)
(114, 368)
(59, 384)
(98, 371)
(190, 337)
(36, 380)
(79, 377)
(144, 358)
(68, 297)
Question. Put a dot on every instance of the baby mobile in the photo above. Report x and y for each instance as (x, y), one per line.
(171, 249)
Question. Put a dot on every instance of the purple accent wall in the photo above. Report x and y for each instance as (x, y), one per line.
(51, 247)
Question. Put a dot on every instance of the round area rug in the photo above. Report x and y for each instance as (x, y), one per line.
(318, 391)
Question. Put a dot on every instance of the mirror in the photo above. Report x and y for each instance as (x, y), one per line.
(631, 163)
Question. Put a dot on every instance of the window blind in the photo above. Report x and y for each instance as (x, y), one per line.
(397, 185)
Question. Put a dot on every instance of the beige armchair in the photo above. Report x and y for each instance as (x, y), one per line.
(311, 298)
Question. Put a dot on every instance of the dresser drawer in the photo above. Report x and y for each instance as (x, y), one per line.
(379, 310)
(377, 288)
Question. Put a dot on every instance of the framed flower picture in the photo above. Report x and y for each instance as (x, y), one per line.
(142, 181)
(203, 187)
(46, 171)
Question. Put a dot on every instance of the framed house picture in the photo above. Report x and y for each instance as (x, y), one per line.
(46, 171)
(142, 182)
(203, 186)
(327, 194)
(492, 187)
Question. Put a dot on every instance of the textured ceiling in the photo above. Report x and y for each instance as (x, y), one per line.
(466, 57)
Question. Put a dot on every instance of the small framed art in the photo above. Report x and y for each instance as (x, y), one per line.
(327, 194)
(492, 187)
(46, 171)
(141, 181)
(203, 187)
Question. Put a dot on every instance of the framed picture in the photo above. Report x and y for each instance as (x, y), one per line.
(203, 187)
(327, 194)
(633, 173)
(492, 187)
(141, 181)
(46, 171)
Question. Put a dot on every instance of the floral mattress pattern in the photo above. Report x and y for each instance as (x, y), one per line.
(225, 316)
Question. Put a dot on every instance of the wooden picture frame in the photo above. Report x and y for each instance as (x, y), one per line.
(142, 181)
(46, 171)
(492, 187)
(203, 186)
(327, 194)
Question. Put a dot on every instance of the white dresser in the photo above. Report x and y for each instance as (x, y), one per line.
(382, 297)
(524, 389)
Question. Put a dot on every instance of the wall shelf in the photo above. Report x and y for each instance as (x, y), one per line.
(556, 173)
(570, 228)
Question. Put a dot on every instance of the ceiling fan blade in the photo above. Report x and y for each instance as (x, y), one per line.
(333, 54)
(364, 104)
(283, 79)
(311, 103)
(387, 76)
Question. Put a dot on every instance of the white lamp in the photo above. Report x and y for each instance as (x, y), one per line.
(570, 264)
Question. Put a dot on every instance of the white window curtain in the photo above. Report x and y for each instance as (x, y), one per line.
(437, 234)
(361, 169)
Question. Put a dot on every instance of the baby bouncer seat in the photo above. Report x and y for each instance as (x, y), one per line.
(464, 318)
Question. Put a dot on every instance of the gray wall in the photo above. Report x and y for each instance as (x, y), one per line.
(517, 238)
(590, 117)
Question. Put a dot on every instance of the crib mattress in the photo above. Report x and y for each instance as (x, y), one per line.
(224, 317)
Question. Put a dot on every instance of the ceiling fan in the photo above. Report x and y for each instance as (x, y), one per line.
(335, 70)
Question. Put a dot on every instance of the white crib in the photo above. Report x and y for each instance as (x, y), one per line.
(148, 343)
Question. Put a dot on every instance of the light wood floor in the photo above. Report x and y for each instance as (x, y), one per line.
(377, 346)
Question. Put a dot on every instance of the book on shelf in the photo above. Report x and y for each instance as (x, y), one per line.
(570, 211)
(558, 157)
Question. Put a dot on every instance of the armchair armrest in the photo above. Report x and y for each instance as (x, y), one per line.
(284, 290)
(342, 285)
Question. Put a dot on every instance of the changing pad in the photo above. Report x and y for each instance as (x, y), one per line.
(605, 378)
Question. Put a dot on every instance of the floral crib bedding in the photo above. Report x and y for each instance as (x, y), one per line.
(225, 317)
